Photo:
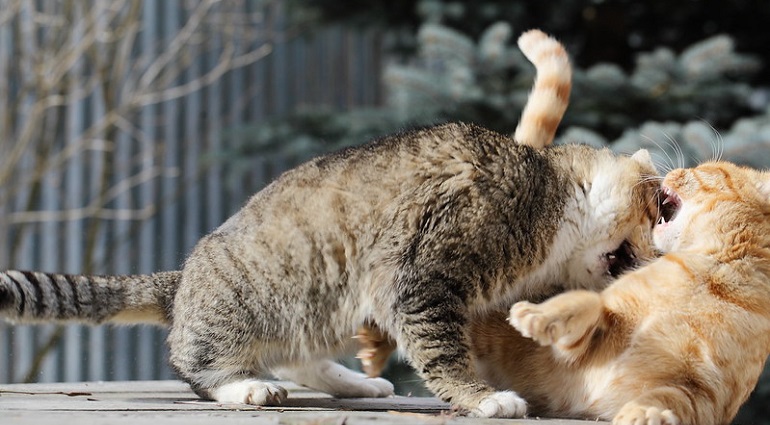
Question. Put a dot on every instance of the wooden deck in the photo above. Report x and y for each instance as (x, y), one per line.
(172, 403)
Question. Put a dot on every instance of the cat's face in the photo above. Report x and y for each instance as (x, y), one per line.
(703, 203)
(622, 208)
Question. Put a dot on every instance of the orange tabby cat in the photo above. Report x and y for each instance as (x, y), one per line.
(682, 340)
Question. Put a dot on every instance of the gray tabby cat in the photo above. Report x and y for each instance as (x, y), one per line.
(416, 232)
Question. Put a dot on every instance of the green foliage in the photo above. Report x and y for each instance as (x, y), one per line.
(674, 144)
(708, 80)
(454, 78)
(595, 31)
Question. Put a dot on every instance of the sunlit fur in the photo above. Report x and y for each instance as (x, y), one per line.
(417, 232)
(549, 98)
(680, 341)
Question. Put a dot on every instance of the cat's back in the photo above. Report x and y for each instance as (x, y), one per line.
(368, 199)
(447, 157)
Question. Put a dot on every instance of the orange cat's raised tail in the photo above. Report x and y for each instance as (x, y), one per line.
(550, 94)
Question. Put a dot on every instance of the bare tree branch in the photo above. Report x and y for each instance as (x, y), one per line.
(226, 63)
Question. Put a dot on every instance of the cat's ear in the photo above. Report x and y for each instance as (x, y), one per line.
(642, 156)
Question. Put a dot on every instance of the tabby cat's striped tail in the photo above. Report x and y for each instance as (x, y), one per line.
(550, 95)
(34, 297)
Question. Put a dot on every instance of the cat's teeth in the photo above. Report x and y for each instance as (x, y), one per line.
(662, 220)
(666, 201)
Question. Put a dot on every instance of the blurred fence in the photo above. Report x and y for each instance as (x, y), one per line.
(109, 111)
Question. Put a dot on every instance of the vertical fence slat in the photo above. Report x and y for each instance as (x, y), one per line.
(191, 152)
(147, 339)
(171, 152)
(6, 359)
(126, 161)
(22, 343)
(280, 95)
(75, 192)
(213, 113)
(50, 247)
(97, 347)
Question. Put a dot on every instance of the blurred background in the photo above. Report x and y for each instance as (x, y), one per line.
(130, 128)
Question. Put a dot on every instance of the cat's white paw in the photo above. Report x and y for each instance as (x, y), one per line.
(335, 379)
(635, 414)
(502, 404)
(250, 391)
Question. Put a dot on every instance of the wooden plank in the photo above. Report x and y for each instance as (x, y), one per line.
(171, 402)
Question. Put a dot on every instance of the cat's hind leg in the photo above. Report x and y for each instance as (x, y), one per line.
(376, 346)
(566, 322)
(233, 387)
(220, 360)
(333, 378)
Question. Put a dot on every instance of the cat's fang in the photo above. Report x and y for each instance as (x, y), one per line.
(669, 206)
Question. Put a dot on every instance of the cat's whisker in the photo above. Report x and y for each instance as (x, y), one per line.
(678, 152)
(647, 179)
(717, 145)
(677, 149)
(661, 153)
(661, 164)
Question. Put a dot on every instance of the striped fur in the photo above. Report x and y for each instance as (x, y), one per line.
(549, 97)
(35, 297)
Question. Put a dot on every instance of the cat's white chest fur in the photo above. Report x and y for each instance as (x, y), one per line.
(575, 257)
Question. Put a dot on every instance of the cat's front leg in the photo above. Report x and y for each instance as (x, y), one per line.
(434, 335)
(566, 322)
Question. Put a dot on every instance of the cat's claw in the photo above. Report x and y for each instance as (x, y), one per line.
(502, 404)
(250, 391)
(635, 414)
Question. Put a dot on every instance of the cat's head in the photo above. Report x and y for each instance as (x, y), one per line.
(712, 206)
(620, 206)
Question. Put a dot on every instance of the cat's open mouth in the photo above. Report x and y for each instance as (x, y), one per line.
(624, 258)
(621, 259)
(669, 206)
